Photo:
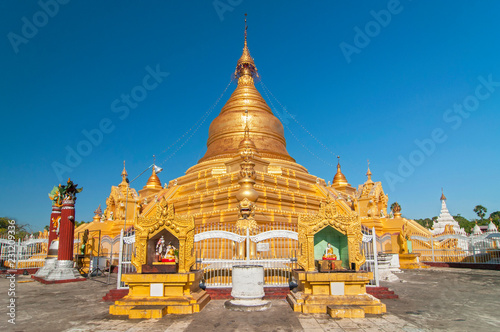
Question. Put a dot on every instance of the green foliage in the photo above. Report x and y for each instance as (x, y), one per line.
(79, 223)
(427, 222)
(495, 218)
(20, 230)
(464, 223)
(480, 211)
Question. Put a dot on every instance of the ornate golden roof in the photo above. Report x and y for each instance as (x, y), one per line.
(153, 181)
(246, 107)
(339, 178)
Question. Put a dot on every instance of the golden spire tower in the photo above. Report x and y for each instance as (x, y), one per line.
(227, 130)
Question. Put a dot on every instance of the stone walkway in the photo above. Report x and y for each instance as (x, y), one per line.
(430, 300)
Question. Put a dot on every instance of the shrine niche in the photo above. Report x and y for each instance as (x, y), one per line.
(175, 230)
(335, 224)
(330, 244)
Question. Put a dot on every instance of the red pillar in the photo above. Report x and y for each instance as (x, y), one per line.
(67, 230)
(55, 219)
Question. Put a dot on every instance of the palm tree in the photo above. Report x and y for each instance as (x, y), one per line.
(480, 211)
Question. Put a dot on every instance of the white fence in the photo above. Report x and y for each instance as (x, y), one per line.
(127, 249)
(219, 247)
(23, 254)
(371, 248)
(448, 248)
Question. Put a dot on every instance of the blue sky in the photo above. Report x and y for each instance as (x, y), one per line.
(417, 92)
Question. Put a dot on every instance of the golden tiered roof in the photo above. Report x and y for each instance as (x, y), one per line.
(246, 106)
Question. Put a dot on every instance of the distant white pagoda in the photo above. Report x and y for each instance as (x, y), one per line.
(445, 219)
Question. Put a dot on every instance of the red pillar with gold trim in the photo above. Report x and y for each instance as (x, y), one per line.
(55, 221)
(67, 230)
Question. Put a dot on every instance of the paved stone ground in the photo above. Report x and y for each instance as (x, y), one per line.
(430, 300)
(448, 299)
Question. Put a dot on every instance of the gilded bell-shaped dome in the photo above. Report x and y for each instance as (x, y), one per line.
(246, 107)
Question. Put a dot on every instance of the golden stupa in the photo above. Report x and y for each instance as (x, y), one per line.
(279, 189)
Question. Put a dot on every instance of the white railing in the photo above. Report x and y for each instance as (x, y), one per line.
(22, 254)
(127, 249)
(219, 247)
(458, 248)
(370, 250)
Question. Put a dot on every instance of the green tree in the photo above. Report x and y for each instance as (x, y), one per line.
(21, 230)
(464, 223)
(79, 223)
(427, 222)
(495, 218)
(480, 211)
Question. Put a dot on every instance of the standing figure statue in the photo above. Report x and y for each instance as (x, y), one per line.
(403, 241)
(160, 248)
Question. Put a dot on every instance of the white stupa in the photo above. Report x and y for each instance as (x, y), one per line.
(476, 230)
(492, 228)
(444, 219)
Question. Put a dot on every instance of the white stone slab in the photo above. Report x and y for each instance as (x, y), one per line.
(337, 288)
(156, 290)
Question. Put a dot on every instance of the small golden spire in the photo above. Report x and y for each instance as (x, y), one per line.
(339, 179)
(369, 173)
(153, 181)
(443, 197)
(246, 27)
(124, 173)
(245, 65)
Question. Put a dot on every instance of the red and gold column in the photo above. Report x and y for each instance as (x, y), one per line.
(67, 230)
(55, 221)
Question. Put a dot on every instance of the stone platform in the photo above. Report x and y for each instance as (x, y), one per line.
(79, 307)
(156, 295)
(411, 261)
(340, 294)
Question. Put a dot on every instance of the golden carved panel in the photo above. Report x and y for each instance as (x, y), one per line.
(338, 215)
(181, 226)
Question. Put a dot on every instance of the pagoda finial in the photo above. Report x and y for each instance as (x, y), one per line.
(369, 173)
(124, 173)
(245, 68)
(246, 27)
(339, 179)
(443, 197)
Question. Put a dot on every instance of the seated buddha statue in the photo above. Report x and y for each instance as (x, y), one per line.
(170, 253)
(329, 255)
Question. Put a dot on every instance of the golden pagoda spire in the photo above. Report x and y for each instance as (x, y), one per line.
(443, 197)
(225, 135)
(339, 179)
(153, 181)
(246, 70)
(369, 173)
(124, 174)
